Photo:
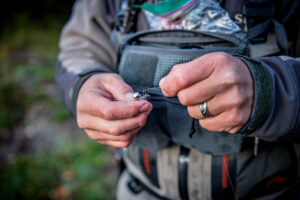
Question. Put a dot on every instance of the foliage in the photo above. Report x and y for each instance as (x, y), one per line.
(11, 104)
(70, 171)
(28, 54)
(71, 168)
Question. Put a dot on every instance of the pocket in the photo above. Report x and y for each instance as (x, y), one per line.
(273, 170)
(169, 122)
(146, 65)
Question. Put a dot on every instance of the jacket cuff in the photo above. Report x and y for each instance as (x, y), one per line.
(263, 95)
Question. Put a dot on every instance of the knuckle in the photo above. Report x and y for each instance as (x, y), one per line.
(124, 88)
(209, 127)
(141, 121)
(231, 77)
(106, 113)
(125, 138)
(239, 97)
(231, 118)
(180, 79)
(132, 111)
(222, 57)
(175, 68)
(190, 111)
(236, 117)
(124, 144)
(183, 98)
(102, 142)
(81, 123)
(203, 124)
(91, 135)
(115, 131)
(80, 106)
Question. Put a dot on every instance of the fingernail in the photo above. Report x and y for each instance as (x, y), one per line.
(161, 85)
(128, 96)
(144, 108)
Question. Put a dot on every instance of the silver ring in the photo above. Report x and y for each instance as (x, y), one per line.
(203, 109)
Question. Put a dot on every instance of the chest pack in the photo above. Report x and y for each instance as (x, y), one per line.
(147, 56)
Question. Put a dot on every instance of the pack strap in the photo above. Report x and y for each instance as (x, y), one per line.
(183, 163)
(258, 12)
(127, 15)
(148, 161)
(223, 177)
(281, 36)
(258, 8)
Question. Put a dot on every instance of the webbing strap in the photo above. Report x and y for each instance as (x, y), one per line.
(281, 35)
(257, 12)
(258, 29)
(223, 177)
(148, 160)
(183, 163)
(258, 8)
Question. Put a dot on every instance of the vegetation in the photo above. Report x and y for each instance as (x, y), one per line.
(69, 167)
(69, 171)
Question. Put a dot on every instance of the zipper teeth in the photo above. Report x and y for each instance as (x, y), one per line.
(163, 47)
(202, 45)
(168, 99)
(156, 94)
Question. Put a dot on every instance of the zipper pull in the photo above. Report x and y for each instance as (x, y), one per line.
(192, 129)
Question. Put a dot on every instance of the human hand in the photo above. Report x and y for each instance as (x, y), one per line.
(105, 113)
(221, 80)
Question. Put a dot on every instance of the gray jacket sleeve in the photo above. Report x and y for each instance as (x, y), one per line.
(276, 110)
(85, 48)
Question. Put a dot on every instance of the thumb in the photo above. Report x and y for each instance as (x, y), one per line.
(117, 87)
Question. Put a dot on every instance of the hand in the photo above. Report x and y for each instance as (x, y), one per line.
(106, 115)
(221, 80)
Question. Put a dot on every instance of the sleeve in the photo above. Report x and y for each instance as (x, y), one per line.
(276, 109)
(85, 47)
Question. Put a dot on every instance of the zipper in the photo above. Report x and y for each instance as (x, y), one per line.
(156, 95)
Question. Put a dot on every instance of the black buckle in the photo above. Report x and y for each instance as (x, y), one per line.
(134, 185)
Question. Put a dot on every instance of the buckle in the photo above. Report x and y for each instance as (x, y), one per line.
(134, 185)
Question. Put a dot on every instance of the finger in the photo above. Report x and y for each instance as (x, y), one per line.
(201, 91)
(235, 98)
(214, 106)
(195, 111)
(226, 121)
(115, 127)
(116, 86)
(108, 109)
(117, 144)
(96, 135)
(184, 75)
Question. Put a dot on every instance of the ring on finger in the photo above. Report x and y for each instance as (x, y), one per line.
(203, 109)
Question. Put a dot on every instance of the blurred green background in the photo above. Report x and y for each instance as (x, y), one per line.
(43, 155)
